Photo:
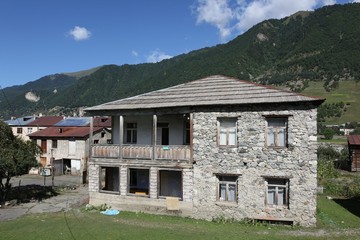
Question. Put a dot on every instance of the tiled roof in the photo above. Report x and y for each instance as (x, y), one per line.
(209, 91)
(64, 132)
(354, 139)
(46, 121)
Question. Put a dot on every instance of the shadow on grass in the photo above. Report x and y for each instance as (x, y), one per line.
(24, 194)
(351, 204)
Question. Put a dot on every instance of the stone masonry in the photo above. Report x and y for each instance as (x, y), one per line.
(252, 162)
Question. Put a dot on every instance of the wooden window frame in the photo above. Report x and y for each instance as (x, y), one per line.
(129, 180)
(54, 143)
(159, 182)
(227, 132)
(133, 131)
(267, 118)
(19, 130)
(285, 186)
(227, 183)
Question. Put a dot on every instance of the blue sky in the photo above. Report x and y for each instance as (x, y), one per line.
(43, 37)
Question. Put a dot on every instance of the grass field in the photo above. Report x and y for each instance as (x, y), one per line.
(347, 92)
(334, 222)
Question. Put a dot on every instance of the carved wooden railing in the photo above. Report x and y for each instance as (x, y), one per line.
(172, 152)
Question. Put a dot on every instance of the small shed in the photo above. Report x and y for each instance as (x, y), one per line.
(354, 152)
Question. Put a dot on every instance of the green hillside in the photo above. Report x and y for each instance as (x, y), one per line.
(308, 50)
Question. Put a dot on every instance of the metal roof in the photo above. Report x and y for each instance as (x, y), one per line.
(22, 121)
(74, 122)
(209, 91)
(353, 139)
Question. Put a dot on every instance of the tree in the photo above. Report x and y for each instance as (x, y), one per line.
(16, 157)
(329, 133)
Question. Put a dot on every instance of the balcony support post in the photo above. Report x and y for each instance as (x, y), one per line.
(91, 136)
(121, 135)
(154, 136)
(191, 135)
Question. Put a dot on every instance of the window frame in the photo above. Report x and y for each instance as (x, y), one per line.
(19, 130)
(276, 137)
(227, 183)
(133, 133)
(277, 186)
(159, 183)
(227, 138)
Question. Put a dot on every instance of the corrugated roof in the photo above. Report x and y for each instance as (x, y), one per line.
(74, 122)
(64, 132)
(46, 121)
(209, 91)
(353, 139)
(22, 121)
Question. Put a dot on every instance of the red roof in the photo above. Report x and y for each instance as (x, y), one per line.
(46, 121)
(64, 132)
(102, 122)
(354, 139)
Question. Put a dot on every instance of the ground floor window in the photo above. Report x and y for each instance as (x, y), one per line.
(227, 189)
(109, 179)
(277, 192)
(138, 181)
(170, 183)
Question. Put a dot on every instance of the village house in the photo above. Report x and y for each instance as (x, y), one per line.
(214, 148)
(65, 145)
(354, 152)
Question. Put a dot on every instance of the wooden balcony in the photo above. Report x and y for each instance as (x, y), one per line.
(172, 152)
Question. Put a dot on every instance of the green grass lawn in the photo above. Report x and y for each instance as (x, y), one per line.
(347, 92)
(334, 222)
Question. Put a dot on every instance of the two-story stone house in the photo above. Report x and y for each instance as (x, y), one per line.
(217, 147)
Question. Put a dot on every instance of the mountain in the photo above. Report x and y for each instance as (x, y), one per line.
(291, 52)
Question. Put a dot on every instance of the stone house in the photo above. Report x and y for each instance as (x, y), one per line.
(217, 147)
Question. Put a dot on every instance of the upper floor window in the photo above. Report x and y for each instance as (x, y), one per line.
(277, 192)
(19, 130)
(131, 133)
(54, 143)
(276, 135)
(29, 130)
(227, 131)
(227, 189)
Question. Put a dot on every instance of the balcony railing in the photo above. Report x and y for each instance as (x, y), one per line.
(171, 152)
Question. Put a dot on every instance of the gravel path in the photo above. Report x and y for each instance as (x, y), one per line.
(63, 202)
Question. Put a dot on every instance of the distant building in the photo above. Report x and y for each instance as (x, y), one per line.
(354, 152)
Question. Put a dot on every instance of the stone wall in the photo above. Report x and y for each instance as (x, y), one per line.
(252, 162)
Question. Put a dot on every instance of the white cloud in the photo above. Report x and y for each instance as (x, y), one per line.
(80, 33)
(240, 15)
(356, 1)
(217, 13)
(134, 53)
(157, 56)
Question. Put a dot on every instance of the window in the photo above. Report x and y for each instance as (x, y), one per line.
(54, 143)
(170, 183)
(138, 181)
(96, 141)
(276, 132)
(227, 189)
(131, 133)
(29, 130)
(227, 131)
(72, 147)
(19, 130)
(43, 146)
(277, 192)
(109, 179)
